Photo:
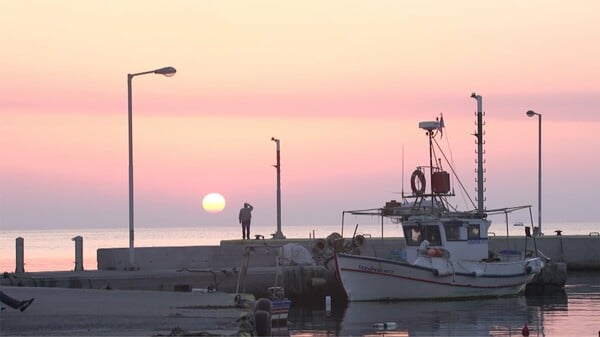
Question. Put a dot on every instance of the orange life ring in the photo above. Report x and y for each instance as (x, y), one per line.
(417, 174)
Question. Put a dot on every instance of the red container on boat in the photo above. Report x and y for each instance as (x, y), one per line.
(440, 182)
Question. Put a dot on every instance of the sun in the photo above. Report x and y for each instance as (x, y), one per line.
(213, 203)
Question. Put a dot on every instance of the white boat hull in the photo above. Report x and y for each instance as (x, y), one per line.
(372, 279)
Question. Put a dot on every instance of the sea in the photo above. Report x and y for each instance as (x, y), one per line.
(572, 311)
(54, 249)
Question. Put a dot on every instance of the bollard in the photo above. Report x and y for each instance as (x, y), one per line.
(78, 253)
(19, 245)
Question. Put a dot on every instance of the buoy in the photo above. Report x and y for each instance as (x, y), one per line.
(434, 252)
(525, 331)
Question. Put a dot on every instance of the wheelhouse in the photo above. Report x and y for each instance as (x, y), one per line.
(462, 238)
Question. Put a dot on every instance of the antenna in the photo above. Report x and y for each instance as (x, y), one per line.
(480, 170)
(402, 170)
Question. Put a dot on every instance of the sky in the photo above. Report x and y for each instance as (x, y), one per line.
(343, 84)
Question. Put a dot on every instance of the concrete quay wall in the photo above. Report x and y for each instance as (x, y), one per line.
(256, 282)
(200, 268)
(229, 254)
(220, 266)
(579, 252)
(226, 255)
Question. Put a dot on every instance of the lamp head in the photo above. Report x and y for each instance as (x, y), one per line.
(531, 113)
(167, 71)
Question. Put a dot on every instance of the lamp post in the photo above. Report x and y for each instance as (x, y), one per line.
(278, 234)
(532, 113)
(167, 71)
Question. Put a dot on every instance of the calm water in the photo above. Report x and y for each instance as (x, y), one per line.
(574, 312)
(54, 249)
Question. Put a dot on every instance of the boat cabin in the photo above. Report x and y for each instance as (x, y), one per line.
(463, 238)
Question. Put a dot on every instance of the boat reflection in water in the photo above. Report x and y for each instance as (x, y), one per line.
(447, 318)
(479, 317)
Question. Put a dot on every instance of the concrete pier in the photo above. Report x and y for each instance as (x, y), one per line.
(219, 267)
(94, 312)
(579, 252)
(204, 267)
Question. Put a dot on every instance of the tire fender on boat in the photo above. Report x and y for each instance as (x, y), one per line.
(533, 267)
(358, 240)
(440, 273)
(262, 323)
(319, 246)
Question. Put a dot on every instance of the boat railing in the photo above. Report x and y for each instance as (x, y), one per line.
(508, 210)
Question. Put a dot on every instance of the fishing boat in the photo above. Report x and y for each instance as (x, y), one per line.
(446, 249)
(277, 304)
(280, 304)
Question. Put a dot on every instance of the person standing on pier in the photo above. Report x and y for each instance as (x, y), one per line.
(245, 217)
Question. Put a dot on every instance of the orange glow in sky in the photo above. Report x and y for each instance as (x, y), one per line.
(343, 85)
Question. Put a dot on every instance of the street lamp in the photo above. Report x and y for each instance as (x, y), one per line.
(167, 71)
(532, 113)
(278, 234)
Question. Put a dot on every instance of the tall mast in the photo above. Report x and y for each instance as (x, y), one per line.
(430, 133)
(480, 152)
(429, 126)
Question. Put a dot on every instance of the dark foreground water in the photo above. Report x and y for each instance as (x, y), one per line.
(572, 312)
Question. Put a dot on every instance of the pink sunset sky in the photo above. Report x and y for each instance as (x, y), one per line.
(342, 84)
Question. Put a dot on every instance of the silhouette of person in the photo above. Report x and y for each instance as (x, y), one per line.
(14, 303)
(245, 217)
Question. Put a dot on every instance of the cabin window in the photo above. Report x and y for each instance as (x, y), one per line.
(474, 233)
(414, 235)
(452, 229)
(433, 235)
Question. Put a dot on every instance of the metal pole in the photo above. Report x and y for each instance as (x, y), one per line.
(278, 234)
(130, 132)
(166, 71)
(479, 135)
(430, 132)
(531, 113)
(20, 255)
(381, 211)
(78, 253)
(343, 213)
(506, 218)
(278, 189)
(540, 174)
